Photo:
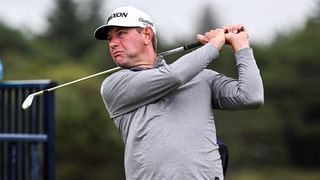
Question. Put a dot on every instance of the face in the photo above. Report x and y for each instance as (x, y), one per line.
(125, 45)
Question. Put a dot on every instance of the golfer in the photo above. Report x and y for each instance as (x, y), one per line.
(164, 112)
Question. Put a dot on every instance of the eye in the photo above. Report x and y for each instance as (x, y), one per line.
(121, 33)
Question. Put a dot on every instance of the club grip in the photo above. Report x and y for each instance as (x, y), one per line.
(240, 30)
(197, 44)
(192, 45)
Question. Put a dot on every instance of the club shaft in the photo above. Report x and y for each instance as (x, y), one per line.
(82, 79)
(189, 46)
(182, 48)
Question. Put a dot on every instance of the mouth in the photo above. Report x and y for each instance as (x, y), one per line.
(116, 53)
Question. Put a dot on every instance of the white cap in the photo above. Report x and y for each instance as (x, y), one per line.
(127, 16)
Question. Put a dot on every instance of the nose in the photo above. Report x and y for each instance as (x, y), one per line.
(113, 42)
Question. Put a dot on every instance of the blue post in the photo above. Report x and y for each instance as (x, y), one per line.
(50, 129)
(14, 165)
(24, 133)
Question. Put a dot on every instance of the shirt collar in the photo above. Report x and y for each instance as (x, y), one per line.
(159, 62)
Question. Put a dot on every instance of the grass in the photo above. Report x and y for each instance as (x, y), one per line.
(274, 174)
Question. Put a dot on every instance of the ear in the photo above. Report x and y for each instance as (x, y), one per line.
(148, 35)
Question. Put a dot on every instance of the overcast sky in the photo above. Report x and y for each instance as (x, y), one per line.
(175, 19)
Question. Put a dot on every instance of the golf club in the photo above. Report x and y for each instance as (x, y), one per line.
(28, 101)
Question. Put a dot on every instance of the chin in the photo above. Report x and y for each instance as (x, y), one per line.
(123, 62)
(123, 65)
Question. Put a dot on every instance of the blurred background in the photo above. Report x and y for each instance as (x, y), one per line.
(52, 39)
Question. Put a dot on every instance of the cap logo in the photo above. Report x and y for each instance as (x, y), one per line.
(116, 15)
(145, 22)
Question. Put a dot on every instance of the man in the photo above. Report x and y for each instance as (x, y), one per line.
(164, 112)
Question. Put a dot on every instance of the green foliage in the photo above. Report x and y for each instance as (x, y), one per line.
(12, 41)
(295, 89)
(72, 30)
(275, 173)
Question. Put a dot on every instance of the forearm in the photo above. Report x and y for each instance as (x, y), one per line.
(191, 64)
(250, 81)
(244, 92)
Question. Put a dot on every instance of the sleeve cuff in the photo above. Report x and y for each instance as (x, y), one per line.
(244, 54)
(211, 51)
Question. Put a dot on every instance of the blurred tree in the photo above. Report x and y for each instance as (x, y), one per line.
(292, 83)
(208, 19)
(12, 40)
(316, 17)
(71, 27)
(303, 123)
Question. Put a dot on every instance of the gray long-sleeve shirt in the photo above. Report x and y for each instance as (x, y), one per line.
(165, 114)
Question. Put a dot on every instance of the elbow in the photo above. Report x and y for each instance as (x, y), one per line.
(177, 79)
(256, 102)
(254, 97)
(259, 103)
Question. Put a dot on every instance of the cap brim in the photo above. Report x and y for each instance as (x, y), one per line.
(101, 32)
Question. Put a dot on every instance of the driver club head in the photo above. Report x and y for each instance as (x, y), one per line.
(28, 101)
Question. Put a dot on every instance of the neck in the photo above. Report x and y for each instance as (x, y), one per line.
(147, 59)
(148, 63)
